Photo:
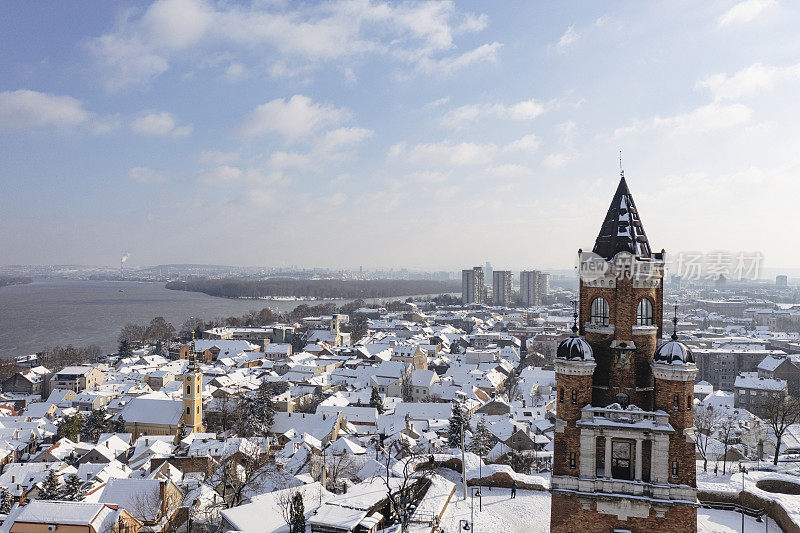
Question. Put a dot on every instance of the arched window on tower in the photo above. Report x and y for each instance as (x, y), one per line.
(599, 312)
(644, 313)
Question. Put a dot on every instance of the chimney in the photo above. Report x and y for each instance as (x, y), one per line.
(162, 493)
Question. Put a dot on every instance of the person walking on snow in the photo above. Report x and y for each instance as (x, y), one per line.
(513, 489)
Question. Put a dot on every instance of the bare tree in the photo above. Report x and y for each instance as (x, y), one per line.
(511, 387)
(244, 470)
(148, 508)
(779, 412)
(285, 499)
(338, 467)
(408, 483)
(727, 426)
(706, 421)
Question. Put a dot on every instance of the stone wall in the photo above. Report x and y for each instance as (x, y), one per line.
(567, 515)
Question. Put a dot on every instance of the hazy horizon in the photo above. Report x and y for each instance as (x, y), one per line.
(428, 136)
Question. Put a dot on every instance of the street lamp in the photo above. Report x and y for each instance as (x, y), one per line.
(743, 471)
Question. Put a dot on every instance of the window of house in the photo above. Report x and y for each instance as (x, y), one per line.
(676, 402)
(688, 402)
(674, 468)
(644, 313)
(188, 411)
(561, 395)
(621, 460)
(574, 396)
(572, 459)
(188, 390)
(599, 312)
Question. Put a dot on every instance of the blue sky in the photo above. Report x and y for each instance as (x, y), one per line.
(426, 135)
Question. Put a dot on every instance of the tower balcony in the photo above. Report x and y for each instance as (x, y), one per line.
(625, 451)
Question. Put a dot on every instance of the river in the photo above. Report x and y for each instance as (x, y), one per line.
(49, 312)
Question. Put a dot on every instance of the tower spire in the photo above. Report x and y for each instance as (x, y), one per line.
(574, 317)
(621, 172)
(622, 229)
(675, 322)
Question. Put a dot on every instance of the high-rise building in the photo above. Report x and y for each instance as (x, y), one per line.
(533, 286)
(502, 287)
(472, 285)
(781, 281)
(487, 271)
(624, 452)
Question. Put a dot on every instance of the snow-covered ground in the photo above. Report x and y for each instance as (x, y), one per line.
(714, 521)
(529, 512)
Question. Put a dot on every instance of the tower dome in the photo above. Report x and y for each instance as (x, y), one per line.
(673, 351)
(574, 347)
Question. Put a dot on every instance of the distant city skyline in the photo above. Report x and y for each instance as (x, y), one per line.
(431, 136)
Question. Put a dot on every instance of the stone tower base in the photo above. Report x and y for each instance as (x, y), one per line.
(574, 514)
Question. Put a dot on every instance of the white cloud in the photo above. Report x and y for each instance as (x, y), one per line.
(428, 176)
(25, 109)
(502, 172)
(143, 46)
(744, 12)
(486, 53)
(445, 153)
(528, 143)
(282, 160)
(213, 157)
(461, 116)
(336, 199)
(710, 117)
(145, 175)
(569, 38)
(342, 138)
(750, 81)
(160, 124)
(235, 72)
(556, 160)
(707, 118)
(295, 119)
(220, 175)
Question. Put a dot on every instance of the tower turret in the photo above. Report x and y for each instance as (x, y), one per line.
(674, 370)
(574, 366)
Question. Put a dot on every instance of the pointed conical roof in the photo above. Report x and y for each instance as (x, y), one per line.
(622, 229)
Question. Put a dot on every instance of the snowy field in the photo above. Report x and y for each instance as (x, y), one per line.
(714, 521)
(529, 512)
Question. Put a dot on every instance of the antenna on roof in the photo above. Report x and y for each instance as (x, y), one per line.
(675, 323)
(574, 317)
(621, 172)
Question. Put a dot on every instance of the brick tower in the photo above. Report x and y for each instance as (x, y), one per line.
(624, 445)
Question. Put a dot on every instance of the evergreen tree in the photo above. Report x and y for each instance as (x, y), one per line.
(70, 427)
(5, 501)
(376, 401)
(181, 432)
(51, 488)
(259, 413)
(118, 425)
(482, 440)
(73, 488)
(125, 349)
(298, 523)
(457, 423)
(95, 425)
